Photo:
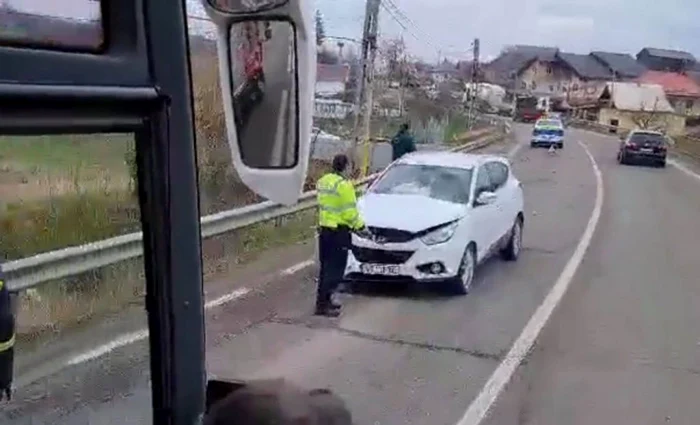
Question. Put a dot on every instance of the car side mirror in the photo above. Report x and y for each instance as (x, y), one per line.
(485, 198)
(267, 71)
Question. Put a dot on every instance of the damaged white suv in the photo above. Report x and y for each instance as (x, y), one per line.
(433, 216)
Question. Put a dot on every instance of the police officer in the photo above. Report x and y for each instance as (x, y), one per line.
(337, 217)
(7, 340)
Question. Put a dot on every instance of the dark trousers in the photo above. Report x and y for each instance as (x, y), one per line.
(7, 356)
(333, 245)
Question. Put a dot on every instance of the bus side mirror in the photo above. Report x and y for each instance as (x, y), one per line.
(267, 69)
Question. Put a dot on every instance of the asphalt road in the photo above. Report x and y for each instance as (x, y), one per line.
(622, 347)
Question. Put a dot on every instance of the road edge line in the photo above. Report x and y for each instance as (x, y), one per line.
(684, 169)
(481, 405)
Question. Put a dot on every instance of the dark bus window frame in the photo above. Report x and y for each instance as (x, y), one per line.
(141, 83)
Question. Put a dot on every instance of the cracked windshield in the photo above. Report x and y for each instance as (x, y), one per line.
(522, 255)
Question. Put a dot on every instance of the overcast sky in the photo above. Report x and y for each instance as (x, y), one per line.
(576, 26)
(449, 26)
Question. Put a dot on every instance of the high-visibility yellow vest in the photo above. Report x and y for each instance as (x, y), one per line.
(4, 304)
(337, 204)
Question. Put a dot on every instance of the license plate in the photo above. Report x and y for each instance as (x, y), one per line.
(382, 269)
(646, 150)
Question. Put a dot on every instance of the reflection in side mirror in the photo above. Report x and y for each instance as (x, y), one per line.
(264, 84)
(486, 198)
(267, 71)
(246, 6)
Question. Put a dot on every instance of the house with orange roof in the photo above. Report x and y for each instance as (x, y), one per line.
(682, 92)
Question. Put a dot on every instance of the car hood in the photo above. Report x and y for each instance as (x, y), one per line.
(411, 213)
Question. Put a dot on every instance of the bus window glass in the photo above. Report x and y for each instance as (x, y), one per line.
(81, 349)
(65, 24)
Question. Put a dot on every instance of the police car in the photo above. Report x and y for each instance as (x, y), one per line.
(548, 132)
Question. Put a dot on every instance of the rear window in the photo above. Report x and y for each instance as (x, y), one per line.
(647, 139)
(548, 132)
(444, 183)
(548, 123)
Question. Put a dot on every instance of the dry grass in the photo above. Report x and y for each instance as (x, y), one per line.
(689, 146)
(71, 303)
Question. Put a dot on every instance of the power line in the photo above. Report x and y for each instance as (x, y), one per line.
(417, 27)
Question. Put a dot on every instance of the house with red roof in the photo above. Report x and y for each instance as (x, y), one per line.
(331, 79)
(682, 92)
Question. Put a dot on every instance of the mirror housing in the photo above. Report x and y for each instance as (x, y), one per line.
(246, 6)
(269, 132)
(485, 198)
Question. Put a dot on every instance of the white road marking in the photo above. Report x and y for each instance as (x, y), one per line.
(278, 155)
(480, 406)
(298, 267)
(683, 168)
(227, 298)
(141, 334)
(101, 350)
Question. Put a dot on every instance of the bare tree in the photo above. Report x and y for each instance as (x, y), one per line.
(649, 118)
(394, 53)
(320, 28)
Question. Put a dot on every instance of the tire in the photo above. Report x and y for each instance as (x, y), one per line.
(623, 159)
(464, 280)
(662, 163)
(533, 145)
(560, 146)
(512, 250)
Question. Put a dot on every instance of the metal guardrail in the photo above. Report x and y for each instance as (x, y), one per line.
(29, 272)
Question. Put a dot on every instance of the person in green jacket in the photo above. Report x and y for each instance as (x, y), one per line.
(402, 143)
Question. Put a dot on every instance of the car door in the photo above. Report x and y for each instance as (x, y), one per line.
(498, 174)
(485, 233)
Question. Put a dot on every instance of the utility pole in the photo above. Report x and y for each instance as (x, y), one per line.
(403, 78)
(474, 81)
(364, 100)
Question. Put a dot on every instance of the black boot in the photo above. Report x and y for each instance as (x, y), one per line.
(329, 310)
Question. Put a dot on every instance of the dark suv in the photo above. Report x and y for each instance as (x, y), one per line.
(643, 145)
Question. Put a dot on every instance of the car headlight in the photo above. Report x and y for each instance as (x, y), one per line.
(440, 235)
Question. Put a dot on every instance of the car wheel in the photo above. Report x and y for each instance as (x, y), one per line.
(532, 145)
(623, 160)
(662, 163)
(560, 146)
(511, 252)
(465, 277)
